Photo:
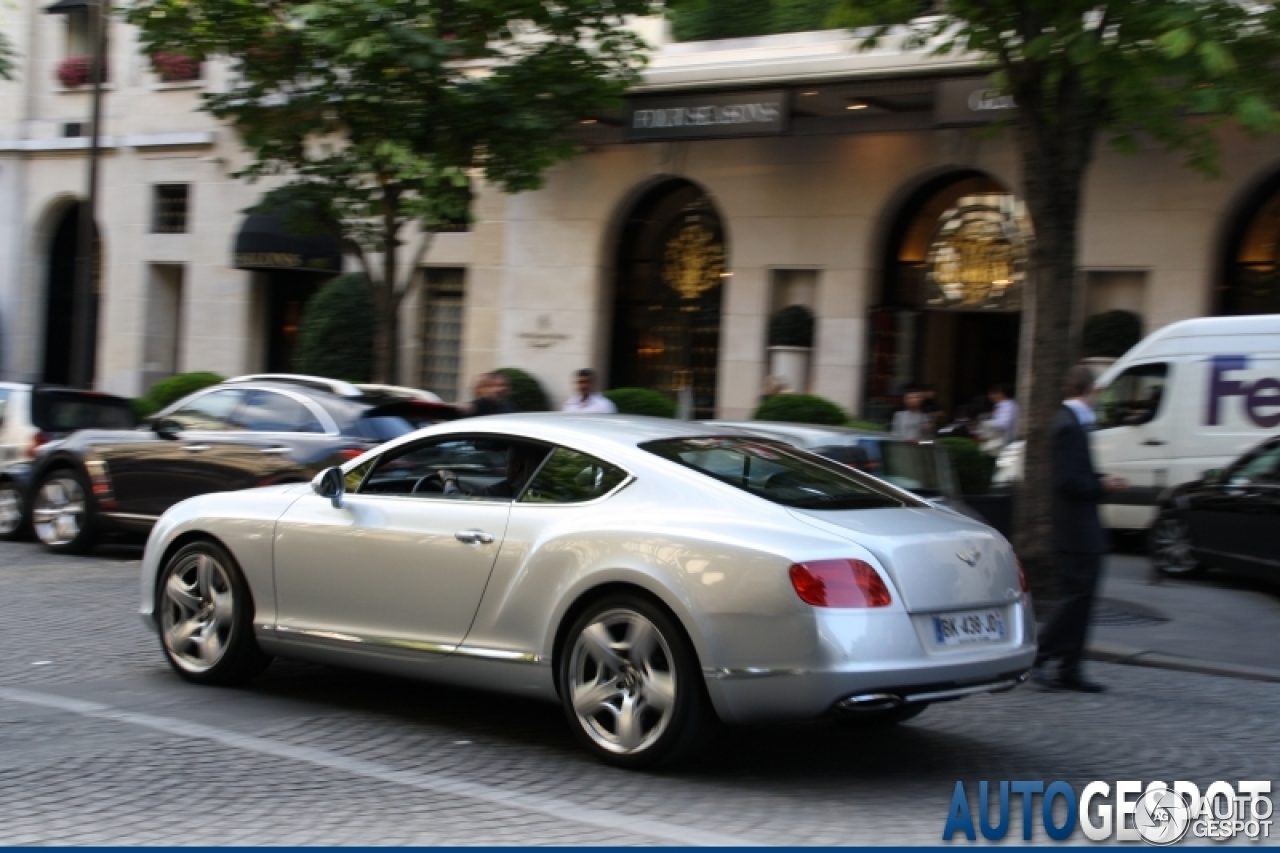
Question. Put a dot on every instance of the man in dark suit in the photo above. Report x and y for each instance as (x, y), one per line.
(1077, 535)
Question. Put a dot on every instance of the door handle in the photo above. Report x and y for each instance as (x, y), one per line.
(1154, 442)
(280, 451)
(195, 448)
(473, 537)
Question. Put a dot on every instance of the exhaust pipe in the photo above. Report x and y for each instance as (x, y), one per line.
(869, 702)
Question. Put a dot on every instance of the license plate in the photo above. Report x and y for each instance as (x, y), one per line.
(973, 626)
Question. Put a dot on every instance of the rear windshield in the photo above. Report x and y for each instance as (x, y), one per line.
(778, 473)
(907, 465)
(67, 411)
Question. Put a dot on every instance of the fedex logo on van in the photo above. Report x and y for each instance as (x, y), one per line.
(1261, 397)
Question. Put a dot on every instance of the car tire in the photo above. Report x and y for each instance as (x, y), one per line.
(1171, 549)
(62, 512)
(881, 719)
(631, 685)
(14, 523)
(204, 613)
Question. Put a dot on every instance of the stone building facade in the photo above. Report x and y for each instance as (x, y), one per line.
(741, 177)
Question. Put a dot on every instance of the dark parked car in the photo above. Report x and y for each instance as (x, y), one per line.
(1228, 519)
(236, 435)
(31, 416)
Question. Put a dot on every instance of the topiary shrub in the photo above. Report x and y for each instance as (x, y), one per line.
(871, 426)
(1110, 334)
(642, 401)
(801, 409)
(171, 390)
(791, 327)
(335, 334)
(972, 467)
(527, 393)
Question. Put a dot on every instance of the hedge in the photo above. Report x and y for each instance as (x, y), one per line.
(527, 394)
(642, 401)
(335, 333)
(171, 390)
(1110, 334)
(972, 467)
(801, 409)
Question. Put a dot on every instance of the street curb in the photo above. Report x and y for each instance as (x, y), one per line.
(1137, 657)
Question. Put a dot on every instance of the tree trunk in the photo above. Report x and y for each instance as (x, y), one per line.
(386, 304)
(1056, 141)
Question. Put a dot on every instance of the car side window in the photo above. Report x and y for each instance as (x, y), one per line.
(481, 466)
(1136, 396)
(270, 411)
(1261, 467)
(209, 412)
(4, 398)
(570, 477)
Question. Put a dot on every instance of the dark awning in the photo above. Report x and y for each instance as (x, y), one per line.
(265, 242)
(62, 7)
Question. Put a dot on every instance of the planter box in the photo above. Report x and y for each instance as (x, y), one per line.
(791, 364)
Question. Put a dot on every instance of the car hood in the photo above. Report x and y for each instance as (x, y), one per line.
(927, 554)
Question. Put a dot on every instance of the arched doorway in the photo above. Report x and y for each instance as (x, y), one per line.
(949, 302)
(1250, 279)
(60, 298)
(670, 266)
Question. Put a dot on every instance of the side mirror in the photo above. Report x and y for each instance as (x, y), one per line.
(330, 484)
(166, 428)
(1212, 477)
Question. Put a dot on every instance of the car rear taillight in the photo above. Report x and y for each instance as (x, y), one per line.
(1022, 576)
(37, 441)
(839, 583)
(349, 453)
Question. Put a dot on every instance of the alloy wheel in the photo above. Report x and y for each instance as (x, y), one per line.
(622, 681)
(58, 512)
(197, 607)
(10, 510)
(1171, 546)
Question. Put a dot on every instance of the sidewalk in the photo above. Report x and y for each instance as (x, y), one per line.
(1220, 624)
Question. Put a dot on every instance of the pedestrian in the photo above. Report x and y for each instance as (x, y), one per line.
(910, 422)
(1002, 428)
(585, 399)
(491, 396)
(1077, 536)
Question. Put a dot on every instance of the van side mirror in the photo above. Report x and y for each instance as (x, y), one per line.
(166, 428)
(1212, 477)
(331, 484)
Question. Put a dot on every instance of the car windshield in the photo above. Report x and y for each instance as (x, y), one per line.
(778, 473)
(67, 411)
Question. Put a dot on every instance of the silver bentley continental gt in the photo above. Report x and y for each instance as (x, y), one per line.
(653, 576)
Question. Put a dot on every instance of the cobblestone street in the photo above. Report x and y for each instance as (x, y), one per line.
(101, 743)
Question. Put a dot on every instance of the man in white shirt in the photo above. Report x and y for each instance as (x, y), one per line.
(586, 400)
(1004, 418)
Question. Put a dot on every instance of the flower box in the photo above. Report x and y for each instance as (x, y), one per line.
(176, 67)
(76, 71)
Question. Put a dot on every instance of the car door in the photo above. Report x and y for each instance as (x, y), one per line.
(274, 431)
(150, 476)
(1239, 521)
(1133, 439)
(398, 567)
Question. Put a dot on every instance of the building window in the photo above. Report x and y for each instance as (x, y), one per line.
(164, 321)
(442, 330)
(169, 209)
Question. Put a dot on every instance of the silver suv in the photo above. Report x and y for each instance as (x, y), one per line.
(34, 415)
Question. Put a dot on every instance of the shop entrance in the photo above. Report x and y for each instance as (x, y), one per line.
(668, 284)
(949, 311)
(1250, 278)
(287, 294)
(60, 299)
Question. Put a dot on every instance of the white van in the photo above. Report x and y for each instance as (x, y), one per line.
(1188, 398)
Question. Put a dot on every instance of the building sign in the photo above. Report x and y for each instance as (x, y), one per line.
(973, 100)
(978, 256)
(731, 114)
(544, 337)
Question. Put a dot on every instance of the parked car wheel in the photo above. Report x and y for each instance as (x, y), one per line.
(1171, 548)
(13, 521)
(61, 512)
(205, 616)
(631, 685)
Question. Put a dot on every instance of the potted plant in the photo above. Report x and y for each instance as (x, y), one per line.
(76, 71)
(175, 67)
(1109, 335)
(790, 343)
